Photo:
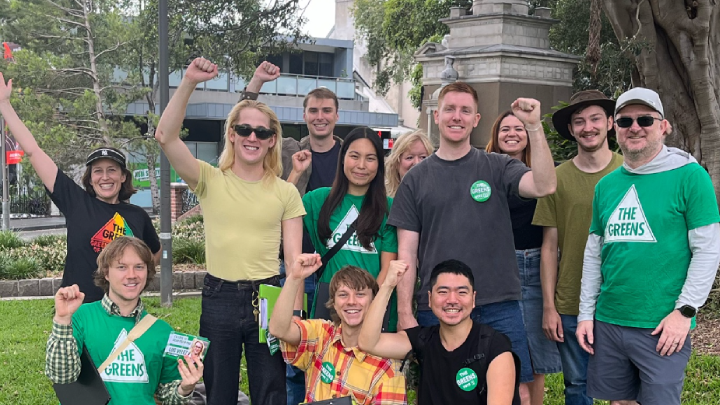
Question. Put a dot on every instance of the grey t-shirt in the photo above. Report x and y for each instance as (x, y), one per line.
(435, 200)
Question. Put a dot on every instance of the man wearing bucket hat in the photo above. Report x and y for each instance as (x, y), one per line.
(650, 261)
(565, 218)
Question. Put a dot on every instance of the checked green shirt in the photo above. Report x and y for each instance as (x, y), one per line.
(99, 326)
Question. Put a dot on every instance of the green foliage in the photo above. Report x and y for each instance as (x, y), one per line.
(49, 240)
(10, 240)
(18, 268)
(415, 92)
(188, 251)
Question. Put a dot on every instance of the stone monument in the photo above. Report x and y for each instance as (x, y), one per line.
(503, 53)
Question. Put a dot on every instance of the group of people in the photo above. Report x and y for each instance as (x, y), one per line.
(490, 269)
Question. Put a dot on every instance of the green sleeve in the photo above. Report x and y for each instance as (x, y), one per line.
(596, 226)
(701, 204)
(310, 218)
(545, 213)
(388, 234)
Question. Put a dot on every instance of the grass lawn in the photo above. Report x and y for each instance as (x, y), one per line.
(26, 325)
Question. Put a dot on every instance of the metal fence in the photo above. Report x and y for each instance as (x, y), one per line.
(29, 204)
(189, 201)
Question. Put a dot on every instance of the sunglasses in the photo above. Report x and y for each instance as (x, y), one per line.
(644, 121)
(260, 132)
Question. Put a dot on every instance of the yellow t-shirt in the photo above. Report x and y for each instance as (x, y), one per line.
(243, 222)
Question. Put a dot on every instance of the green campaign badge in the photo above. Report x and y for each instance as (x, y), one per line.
(272, 342)
(480, 191)
(466, 379)
(327, 372)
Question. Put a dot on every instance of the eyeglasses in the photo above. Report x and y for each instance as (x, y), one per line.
(260, 132)
(644, 121)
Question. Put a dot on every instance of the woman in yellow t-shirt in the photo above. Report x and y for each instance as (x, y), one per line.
(246, 206)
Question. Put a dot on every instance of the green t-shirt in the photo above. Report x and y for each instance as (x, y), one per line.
(644, 221)
(135, 374)
(352, 253)
(570, 211)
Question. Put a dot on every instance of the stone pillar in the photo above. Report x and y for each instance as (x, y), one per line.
(503, 53)
(176, 194)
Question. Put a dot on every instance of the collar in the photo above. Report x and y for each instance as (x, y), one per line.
(305, 141)
(337, 340)
(113, 309)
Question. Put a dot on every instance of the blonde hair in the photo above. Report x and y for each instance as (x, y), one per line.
(272, 164)
(402, 144)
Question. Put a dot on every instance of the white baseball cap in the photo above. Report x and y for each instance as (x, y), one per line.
(640, 95)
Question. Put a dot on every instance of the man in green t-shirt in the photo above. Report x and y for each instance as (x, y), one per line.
(141, 371)
(565, 218)
(650, 261)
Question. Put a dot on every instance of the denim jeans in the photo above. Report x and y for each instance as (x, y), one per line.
(227, 320)
(294, 377)
(574, 364)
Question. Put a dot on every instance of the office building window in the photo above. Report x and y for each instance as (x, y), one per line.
(325, 62)
(296, 63)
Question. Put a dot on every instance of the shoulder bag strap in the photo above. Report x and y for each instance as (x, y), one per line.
(336, 248)
(137, 331)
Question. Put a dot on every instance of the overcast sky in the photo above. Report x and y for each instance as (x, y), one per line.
(320, 15)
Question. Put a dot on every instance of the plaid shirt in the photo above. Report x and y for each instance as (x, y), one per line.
(62, 361)
(366, 378)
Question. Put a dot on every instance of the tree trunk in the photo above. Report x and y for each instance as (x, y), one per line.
(681, 61)
(99, 111)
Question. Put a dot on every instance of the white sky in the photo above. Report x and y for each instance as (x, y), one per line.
(320, 15)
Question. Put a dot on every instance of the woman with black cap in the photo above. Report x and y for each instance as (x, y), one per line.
(96, 214)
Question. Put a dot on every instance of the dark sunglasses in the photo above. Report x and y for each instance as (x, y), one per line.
(644, 121)
(260, 132)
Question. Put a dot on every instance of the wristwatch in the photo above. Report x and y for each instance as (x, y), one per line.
(299, 312)
(687, 311)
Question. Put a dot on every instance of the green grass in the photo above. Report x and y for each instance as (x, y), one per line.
(26, 325)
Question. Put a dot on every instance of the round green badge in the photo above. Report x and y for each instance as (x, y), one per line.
(327, 372)
(466, 379)
(480, 191)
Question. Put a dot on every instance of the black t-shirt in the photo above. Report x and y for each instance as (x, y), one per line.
(324, 167)
(525, 234)
(91, 225)
(442, 372)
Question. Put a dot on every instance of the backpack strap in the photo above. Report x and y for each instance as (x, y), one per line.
(336, 248)
(480, 357)
(135, 333)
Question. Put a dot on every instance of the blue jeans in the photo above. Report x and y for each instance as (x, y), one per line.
(227, 320)
(294, 377)
(574, 364)
(543, 352)
(506, 318)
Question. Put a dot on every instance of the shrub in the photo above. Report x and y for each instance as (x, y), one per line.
(10, 240)
(188, 250)
(49, 240)
(19, 268)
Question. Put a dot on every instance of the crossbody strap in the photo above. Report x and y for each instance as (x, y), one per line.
(336, 248)
(137, 331)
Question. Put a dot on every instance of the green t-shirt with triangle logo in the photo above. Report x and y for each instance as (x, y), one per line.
(644, 220)
(135, 374)
(352, 253)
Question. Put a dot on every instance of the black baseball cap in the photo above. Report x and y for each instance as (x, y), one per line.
(106, 153)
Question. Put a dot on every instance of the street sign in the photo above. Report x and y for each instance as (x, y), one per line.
(13, 156)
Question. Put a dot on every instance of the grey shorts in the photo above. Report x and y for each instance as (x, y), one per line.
(626, 366)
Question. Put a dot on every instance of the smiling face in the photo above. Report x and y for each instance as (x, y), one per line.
(320, 115)
(415, 154)
(452, 298)
(512, 137)
(589, 126)
(351, 305)
(127, 276)
(249, 150)
(360, 166)
(640, 144)
(198, 348)
(106, 179)
(456, 117)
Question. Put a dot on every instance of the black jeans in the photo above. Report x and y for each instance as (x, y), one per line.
(227, 320)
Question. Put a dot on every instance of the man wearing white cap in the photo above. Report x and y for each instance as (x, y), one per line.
(650, 261)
